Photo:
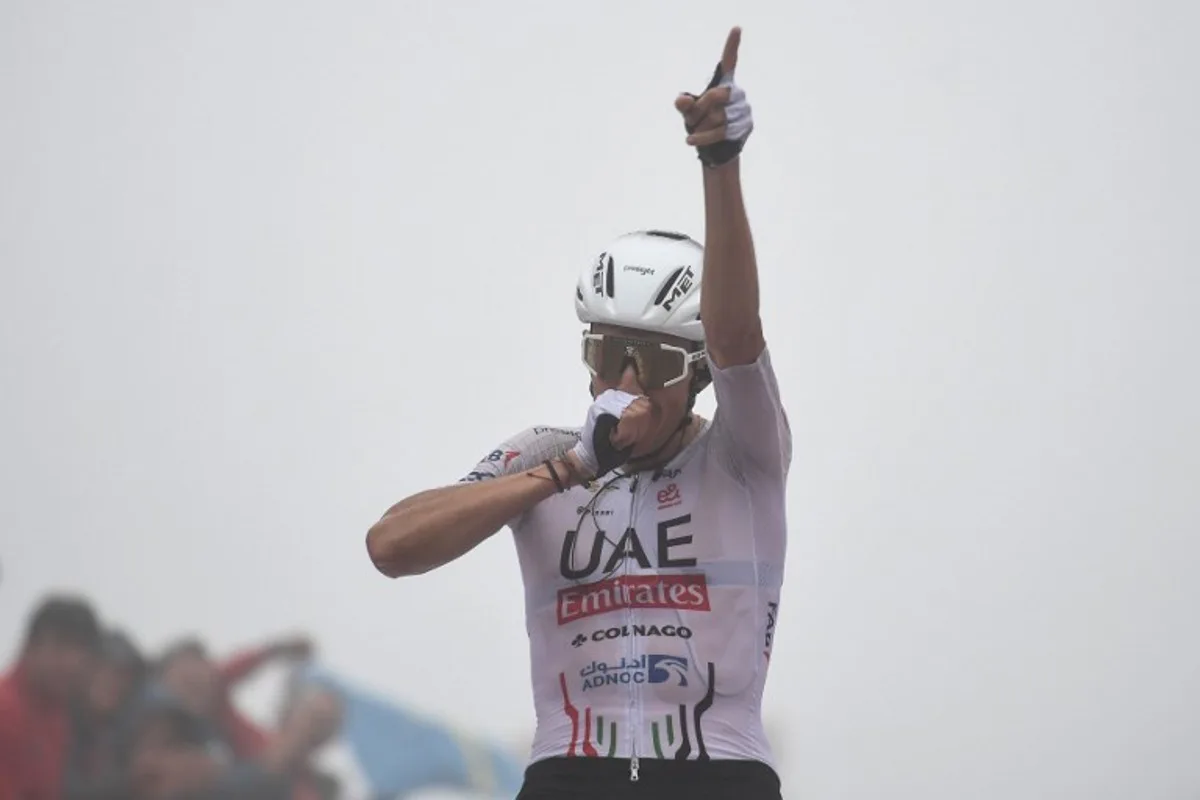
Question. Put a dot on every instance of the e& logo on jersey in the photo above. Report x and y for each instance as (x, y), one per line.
(669, 497)
(619, 632)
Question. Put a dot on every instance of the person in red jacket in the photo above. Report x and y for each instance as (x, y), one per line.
(56, 660)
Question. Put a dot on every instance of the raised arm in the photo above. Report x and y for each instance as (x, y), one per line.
(729, 297)
(750, 423)
(245, 663)
(719, 122)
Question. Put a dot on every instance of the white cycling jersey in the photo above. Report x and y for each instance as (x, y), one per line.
(651, 599)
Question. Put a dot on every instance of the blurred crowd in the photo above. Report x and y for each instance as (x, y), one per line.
(85, 714)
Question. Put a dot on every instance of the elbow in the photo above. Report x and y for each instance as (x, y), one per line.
(389, 547)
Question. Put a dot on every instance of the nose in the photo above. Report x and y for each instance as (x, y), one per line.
(629, 380)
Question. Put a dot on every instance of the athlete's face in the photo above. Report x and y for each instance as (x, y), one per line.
(669, 403)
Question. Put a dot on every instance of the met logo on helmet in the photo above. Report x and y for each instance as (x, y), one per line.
(678, 287)
(602, 275)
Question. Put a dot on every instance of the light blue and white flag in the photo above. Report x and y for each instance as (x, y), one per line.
(394, 752)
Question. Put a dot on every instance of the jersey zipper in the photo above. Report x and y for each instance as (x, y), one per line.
(631, 621)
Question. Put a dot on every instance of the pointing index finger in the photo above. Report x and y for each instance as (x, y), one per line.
(729, 57)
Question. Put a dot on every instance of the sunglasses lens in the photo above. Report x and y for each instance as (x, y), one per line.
(656, 365)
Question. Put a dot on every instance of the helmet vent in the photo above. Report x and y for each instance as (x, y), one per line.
(679, 237)
(602, 276)
(676, 286)
(666, 287)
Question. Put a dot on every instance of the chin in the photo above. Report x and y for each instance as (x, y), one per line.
(655, 444)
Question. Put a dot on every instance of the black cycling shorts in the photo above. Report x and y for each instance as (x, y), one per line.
(580, 778)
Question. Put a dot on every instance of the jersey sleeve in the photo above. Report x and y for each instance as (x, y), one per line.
(523, 451)
(750, 423)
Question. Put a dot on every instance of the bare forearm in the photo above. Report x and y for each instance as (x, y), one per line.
(435, 527)
(729, 298)
(312, 721)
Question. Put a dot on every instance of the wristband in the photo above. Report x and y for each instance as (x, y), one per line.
(558, 484)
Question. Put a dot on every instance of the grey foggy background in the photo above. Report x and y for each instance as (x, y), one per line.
(269, 267)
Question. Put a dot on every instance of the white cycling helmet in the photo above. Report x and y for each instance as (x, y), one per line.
(648, 281)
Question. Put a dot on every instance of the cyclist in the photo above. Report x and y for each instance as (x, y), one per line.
(651, 541)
